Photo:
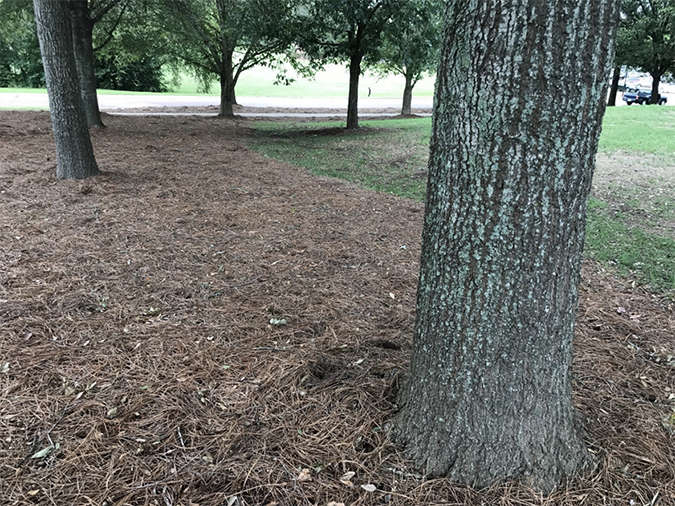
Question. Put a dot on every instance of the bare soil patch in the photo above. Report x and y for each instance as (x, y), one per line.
(631, 169)
(202, 325)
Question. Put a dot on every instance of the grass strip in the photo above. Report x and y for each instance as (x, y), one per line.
(613, 240)
(392, 155)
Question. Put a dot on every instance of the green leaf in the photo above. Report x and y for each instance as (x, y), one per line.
(42, 453)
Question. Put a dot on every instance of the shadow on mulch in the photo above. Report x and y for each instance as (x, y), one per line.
(319, 132)
(201, 325)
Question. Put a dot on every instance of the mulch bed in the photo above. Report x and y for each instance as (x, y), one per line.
(202, 325)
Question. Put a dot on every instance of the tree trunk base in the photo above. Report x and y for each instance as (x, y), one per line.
(480, 464)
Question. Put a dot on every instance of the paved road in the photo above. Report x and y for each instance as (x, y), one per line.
(284, 114)
(112, 103)
(120, 102)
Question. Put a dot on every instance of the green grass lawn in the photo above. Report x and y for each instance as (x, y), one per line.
(389, 155)
(333, 81)
(639, 129)
(631, 223)
(259, 82)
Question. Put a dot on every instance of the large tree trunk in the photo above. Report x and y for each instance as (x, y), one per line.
(407, 94)
(74, 152)
(353, 97)
(488, 395)
(84, 59)
(614, 86)
(656, 83)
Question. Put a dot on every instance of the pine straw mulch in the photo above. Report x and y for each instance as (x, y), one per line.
(200, 324)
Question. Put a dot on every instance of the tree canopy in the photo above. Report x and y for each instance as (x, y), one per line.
(410, 44)
(223, 38)
(128, 46)
(347, 31)
(20, 63)
(646, 38)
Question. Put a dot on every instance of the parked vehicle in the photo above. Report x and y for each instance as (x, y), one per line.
(641, 96)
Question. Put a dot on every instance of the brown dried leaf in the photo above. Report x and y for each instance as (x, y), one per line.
(347, 476)
(346, 479)
(304, 475)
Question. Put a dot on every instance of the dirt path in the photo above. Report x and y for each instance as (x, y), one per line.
(201, 323)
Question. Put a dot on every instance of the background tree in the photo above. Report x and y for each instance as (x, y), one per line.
(74, 152)
(125, 36)
(347, 30)
(132, 49)
(223, 38)
(616, 71)
(20, 61)
(5, 66)
(131, 72)
(411, 44)
(85, 14)
(614, 85)
(489, 391)
(646, 38)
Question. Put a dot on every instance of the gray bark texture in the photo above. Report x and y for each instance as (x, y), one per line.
(353, 97)
(226, 108)
(488, 395)
(82, 27)
(406, 108)
(74, 152)
(227, 85)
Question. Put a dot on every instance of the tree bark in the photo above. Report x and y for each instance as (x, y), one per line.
(226, 86)
(353, 97)
(74, 152)
(656, 83)
(488, 395)
(614, 86)
(83, 26)
(407, 95)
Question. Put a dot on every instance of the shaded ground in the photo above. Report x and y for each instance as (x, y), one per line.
(202, 325)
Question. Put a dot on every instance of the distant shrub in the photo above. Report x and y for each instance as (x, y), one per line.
(142, 73)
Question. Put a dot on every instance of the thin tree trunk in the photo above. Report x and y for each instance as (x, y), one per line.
(488, 396)
(83, 26)
(353, 98)
(614, 86)
(74, 152)
(407, 94)
(656, 83)
(227, 87)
